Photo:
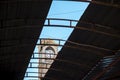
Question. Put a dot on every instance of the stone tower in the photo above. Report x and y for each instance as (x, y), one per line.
(47, 54)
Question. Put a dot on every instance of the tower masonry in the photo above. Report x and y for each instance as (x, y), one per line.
(47, 54)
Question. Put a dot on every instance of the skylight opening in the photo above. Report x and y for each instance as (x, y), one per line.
(63, 10)
(68, 10)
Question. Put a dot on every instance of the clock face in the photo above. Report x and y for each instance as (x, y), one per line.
(49, 52)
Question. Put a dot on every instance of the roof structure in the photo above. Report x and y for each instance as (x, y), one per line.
(21, 22)
(97, 35)
(94, 41)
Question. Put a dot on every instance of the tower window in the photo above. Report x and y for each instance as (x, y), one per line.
(49, 52)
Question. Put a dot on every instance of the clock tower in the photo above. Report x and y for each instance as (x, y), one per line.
(47, 54)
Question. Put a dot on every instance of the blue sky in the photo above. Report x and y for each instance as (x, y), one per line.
(65, 10)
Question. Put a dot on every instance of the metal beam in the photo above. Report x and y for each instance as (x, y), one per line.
(85, 49)
(50, 78)
(87, 29)
(105, 3)
(60, 44)
(111, 3)
(74, 43)
(93, 28)
(53, 69)
(66, 61)
(81, 47)
(48, 24)
(100, 32)
(42, 53)
(105, 69)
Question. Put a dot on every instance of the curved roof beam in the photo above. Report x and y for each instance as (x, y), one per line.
(105, 69)
(63, 60)
(93, 27)
(53, 69)
(38, 76)
(111, 3)
(74, 43)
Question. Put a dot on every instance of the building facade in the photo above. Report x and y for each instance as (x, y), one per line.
(47, 54)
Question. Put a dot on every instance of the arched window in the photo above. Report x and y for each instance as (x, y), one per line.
(49, 52)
